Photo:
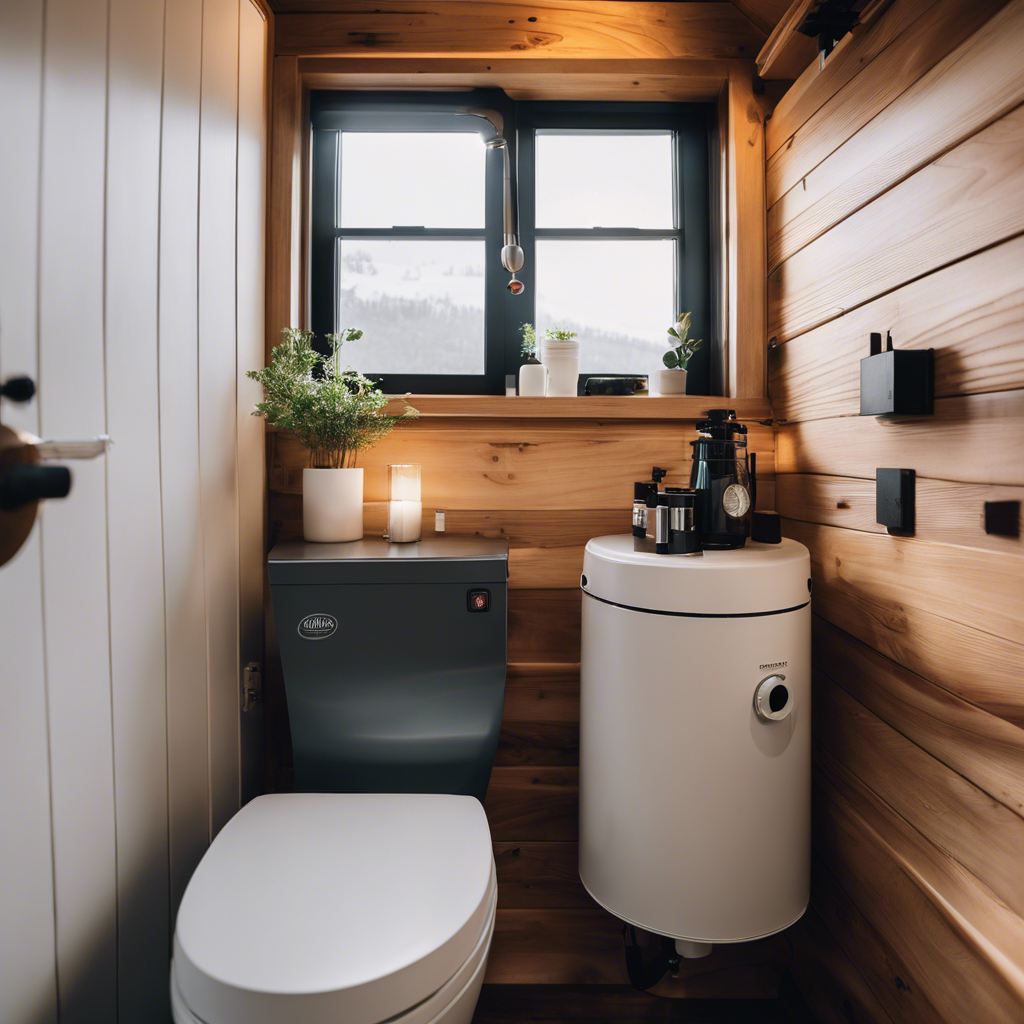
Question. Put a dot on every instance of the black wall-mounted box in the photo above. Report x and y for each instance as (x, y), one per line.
(894, 499)
(897, 381)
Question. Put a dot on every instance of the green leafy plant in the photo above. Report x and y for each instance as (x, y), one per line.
(336, 413)
(528, 346)
(556, 334)
(676, 358)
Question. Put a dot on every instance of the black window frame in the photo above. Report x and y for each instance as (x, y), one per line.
(332, 112)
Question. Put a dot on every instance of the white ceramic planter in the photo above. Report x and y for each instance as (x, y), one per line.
(332, 505)
(533, 380)
(672, 382)
(562, 359)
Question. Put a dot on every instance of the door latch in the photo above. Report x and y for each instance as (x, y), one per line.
(252, 686)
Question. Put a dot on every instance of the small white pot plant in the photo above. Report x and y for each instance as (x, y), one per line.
(336, 413)
(672, 380)
(560, 353)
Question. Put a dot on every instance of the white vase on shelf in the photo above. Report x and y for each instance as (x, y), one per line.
(672, 382)
(562, 359)
(332, 505)
(533, 379)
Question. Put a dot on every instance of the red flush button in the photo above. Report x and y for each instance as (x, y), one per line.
(479, 600)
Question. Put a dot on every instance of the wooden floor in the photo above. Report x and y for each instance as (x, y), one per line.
(620, 1004)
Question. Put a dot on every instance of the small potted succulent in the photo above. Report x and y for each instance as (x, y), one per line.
(560, 354)
(672, 380)
(533, 375)
(336, 414)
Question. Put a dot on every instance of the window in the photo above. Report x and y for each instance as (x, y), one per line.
(407, 228)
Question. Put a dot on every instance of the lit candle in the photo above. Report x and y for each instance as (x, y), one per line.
(405, 508)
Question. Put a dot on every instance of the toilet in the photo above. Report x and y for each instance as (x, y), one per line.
(368, 894)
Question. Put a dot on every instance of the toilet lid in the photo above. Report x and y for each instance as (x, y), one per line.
(323, 907)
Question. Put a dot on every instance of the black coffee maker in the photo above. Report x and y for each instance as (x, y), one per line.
(716, 512)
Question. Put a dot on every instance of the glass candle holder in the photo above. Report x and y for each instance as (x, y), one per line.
(405, 506)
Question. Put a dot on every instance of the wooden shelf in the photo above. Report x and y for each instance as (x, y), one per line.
(653, 407)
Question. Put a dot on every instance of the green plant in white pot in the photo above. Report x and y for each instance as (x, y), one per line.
(672, 380)
(336, 413)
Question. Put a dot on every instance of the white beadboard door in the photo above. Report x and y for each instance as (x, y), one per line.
(28, 967)
(72, 403)
(218, 140)
(134, 513)
(131, 290)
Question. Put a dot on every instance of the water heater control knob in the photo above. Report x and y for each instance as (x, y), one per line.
(772, 699)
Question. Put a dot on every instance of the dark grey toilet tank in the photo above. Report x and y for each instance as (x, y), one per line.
(394, 662)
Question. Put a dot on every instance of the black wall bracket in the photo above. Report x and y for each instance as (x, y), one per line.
(897, 382)
(894, 500)
(1002, 518)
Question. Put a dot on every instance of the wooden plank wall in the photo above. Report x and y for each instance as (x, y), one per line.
(895, 192)
(547, 485)
(127, 295)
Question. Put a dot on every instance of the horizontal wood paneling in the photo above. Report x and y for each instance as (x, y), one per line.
(896, 205)
(980, 746)
(565, 28)
(933, 912)
(959, 818)
(971, 313)
(852, 54)
(973, 86)
(946, 511)
(530, 464)
(542, 713)
(968, 439)
(540, 875)
(939, 29)
(544, 625)
(538, 802)
(970, 198)
(953, 615)
(879, 973)
(834, 989)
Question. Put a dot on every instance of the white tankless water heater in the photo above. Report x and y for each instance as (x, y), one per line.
(695, 726)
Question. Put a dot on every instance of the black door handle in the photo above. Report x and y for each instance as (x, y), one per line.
(25, 483)
(18, 389)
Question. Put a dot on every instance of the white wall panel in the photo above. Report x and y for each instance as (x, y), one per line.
(134, 507)
(188, 738)
(131, 254)
(28, 980)
(252, 41)
(74, 531)
(217, 393)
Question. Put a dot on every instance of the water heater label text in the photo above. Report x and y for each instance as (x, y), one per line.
(317, 627)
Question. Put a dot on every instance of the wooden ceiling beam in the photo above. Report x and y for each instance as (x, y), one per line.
(540, 29)
(671, 81)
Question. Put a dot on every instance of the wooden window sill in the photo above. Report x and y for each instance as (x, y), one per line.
(640, 407)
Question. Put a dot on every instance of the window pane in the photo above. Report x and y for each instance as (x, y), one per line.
(609, 181)
(434, 179)
(616, 294)
(419, 303)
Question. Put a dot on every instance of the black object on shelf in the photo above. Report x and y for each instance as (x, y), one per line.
(897, 382)
(615, 385)
(766, 528)
(1002, 518)
(894, 499)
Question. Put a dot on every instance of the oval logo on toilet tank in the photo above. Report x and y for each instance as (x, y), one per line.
(317, 627)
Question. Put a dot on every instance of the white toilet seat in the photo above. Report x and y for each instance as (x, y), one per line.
(328, 907)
